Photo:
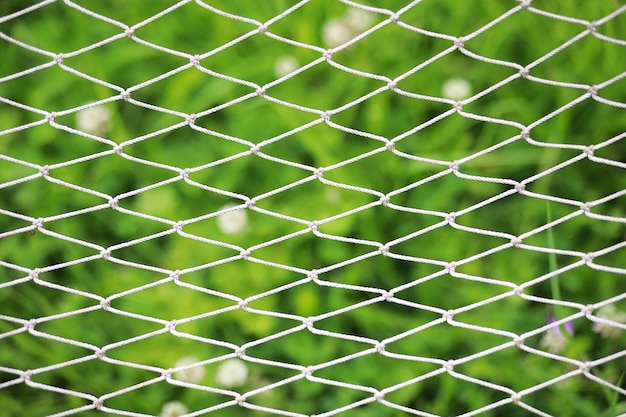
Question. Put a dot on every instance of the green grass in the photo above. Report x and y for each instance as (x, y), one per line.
(391, 51)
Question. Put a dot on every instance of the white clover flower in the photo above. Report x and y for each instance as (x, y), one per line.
(93, 120)
(456, 89)
(609, 312)
(358, 19)
(232, 373)
(232, 222)
(336, 33)
(173, 409)
(285, 65)
(332, 195)
(191, 375)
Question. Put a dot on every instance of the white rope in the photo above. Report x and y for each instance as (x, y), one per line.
(241, 386)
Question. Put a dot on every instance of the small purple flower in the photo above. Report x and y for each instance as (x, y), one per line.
(554, 339)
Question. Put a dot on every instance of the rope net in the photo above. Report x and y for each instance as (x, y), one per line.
(315, 207)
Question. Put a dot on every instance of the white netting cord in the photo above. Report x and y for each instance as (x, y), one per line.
(233, 218)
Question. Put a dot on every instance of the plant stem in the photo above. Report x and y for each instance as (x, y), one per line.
(554, 281)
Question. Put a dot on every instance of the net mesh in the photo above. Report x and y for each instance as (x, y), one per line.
(302, 208)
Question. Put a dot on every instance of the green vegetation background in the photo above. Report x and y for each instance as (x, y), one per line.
(391, 51)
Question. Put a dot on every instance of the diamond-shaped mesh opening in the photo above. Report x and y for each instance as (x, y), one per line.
(372, 208)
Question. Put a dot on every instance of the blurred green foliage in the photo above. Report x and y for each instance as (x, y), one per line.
(391, 51)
